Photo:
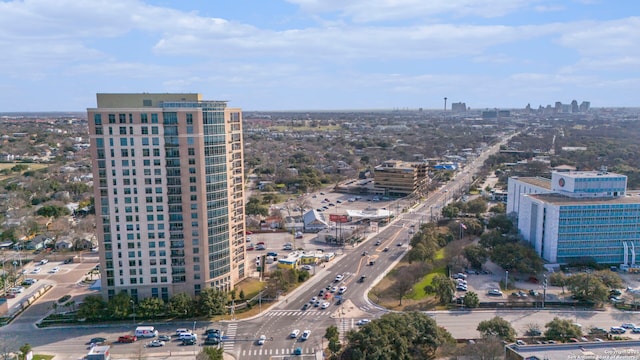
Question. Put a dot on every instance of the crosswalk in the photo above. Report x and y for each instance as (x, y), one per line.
(274, 352)
(300, 313)
(232, 329)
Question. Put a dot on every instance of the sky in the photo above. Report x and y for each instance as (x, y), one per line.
(273, 55)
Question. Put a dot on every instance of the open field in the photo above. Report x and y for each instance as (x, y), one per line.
(32, 166)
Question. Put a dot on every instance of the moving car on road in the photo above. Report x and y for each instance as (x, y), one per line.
(127, 339)
(305, 335)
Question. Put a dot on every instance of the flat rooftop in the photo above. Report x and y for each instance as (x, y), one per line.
(558, 199)
(589, 174)
(537, 181)
(587, 350)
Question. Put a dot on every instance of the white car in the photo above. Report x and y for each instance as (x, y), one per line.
(262, 339)
(325, 305)
(314, 299)
(342, 290)
(339, 277)
(54, 270)
(35, 270)
(363, 322)
(180, 331)
(495, 292)
(156, 343)
(307, 267)
(334, 289)
(305, 335)
(294, 334)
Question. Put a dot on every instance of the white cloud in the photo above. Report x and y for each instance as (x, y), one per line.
(381, 10)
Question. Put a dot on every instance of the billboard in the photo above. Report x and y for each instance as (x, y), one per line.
(338, 218)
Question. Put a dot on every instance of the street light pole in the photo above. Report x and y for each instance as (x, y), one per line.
(544, 290)
(133, 306)
(506, 280)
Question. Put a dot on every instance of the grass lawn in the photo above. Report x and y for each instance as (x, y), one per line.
(32, 167)
(440, 254)
(418, 289)
(250, 286)
(42, 357)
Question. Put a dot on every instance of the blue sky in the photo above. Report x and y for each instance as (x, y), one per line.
(321, 54)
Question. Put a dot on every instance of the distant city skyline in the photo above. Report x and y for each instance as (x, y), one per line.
(321, 55)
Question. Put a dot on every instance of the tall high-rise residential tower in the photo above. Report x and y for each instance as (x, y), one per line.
(169, 200)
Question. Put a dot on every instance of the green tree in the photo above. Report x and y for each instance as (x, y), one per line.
(150, 307)
(471, 300)
(254, 207)
(587, 287)
(181, 305)
(450, 211)
(52, 211)
(477, 206)
(499, 208)
(476, 255)
(610, 279)
(517, 256)
(402, 336)
(92, 308)
(119, 307)
(562, 329)
(210, 353)
(501, 222)
(558, 279)
(211, 302)
(333, 336)
(24, 350)
(498, 327)
(444, 287)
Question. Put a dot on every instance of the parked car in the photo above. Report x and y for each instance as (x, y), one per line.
(628, 325)
(97, 340)
(617, 330)
(189, 341)
(164, 337)
(495, 292)
(362, 322)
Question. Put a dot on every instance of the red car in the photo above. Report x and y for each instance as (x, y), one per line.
(127, 339)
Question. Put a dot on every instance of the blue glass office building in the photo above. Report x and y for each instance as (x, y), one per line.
(585, 215)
